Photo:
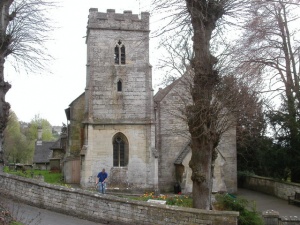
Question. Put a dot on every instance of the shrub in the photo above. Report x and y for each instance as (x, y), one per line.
(247, 210)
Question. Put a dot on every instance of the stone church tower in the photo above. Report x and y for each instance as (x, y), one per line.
(118, 116)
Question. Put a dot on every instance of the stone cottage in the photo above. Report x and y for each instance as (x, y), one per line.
(118, 124)
(48, 155)
(42, 152)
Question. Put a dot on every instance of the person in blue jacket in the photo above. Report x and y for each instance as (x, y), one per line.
(101, 181)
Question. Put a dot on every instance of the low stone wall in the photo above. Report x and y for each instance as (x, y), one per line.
(272, 217)
(107, 208)
(270, 186)
(276, 188)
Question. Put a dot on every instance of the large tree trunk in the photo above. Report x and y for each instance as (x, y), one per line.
(4, 106)
(204, 15)
(5, 41)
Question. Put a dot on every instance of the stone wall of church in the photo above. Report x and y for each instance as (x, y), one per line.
(75, 139)
(106, 104)
(136, 175)
(227, 153)
(174, 137)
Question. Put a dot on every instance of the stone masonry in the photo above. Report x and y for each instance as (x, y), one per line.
(118, 100)
(142, 141)
(173, 142)
(107, 208)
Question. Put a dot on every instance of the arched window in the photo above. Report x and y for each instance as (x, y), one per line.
(120, 150)
(120, 56)
(117, 54)
(119, 85)
(123, 54)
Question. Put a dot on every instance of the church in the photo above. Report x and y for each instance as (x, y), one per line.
(118, 123)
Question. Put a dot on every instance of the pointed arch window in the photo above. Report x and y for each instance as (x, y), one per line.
(120, 53)
(120, 150)
(119, 85)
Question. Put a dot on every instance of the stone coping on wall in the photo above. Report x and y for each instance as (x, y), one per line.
(275, 187)
(107, 208)
(274, 180)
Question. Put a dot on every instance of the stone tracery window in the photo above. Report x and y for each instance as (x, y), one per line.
(120, 150)
(120, 56)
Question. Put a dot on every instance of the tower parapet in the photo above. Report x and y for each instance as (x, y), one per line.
(118, 21)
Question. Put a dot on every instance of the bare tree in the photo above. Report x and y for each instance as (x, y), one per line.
(270, 48)
(175, 59)
(202, 126)
(205, 116)
(23, 31)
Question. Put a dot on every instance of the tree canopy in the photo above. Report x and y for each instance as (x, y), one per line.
(24, 25)
(20, 138)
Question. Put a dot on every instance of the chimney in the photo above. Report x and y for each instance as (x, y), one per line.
(39, 138)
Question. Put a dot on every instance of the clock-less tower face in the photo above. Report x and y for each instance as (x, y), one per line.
(119, 112)
(119, 81)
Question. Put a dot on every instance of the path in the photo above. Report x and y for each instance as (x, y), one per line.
(30, 215)
(265, 202)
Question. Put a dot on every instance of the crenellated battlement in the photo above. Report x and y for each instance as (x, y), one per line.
(119, 21)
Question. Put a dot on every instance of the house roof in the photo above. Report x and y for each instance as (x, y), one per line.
(43, 152)
(58, 144)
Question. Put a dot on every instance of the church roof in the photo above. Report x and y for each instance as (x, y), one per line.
(80, 96)
(68, 110)
(159, 96)
(43, 152)
(183, 153)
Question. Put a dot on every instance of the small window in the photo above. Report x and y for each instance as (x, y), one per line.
(119, 85)
(120, 56)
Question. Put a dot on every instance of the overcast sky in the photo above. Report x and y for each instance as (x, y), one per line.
(48, 95)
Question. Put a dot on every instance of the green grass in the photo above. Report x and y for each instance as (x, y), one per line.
(178, 200)
(52, 178)
(15, 223)
(49, 177)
